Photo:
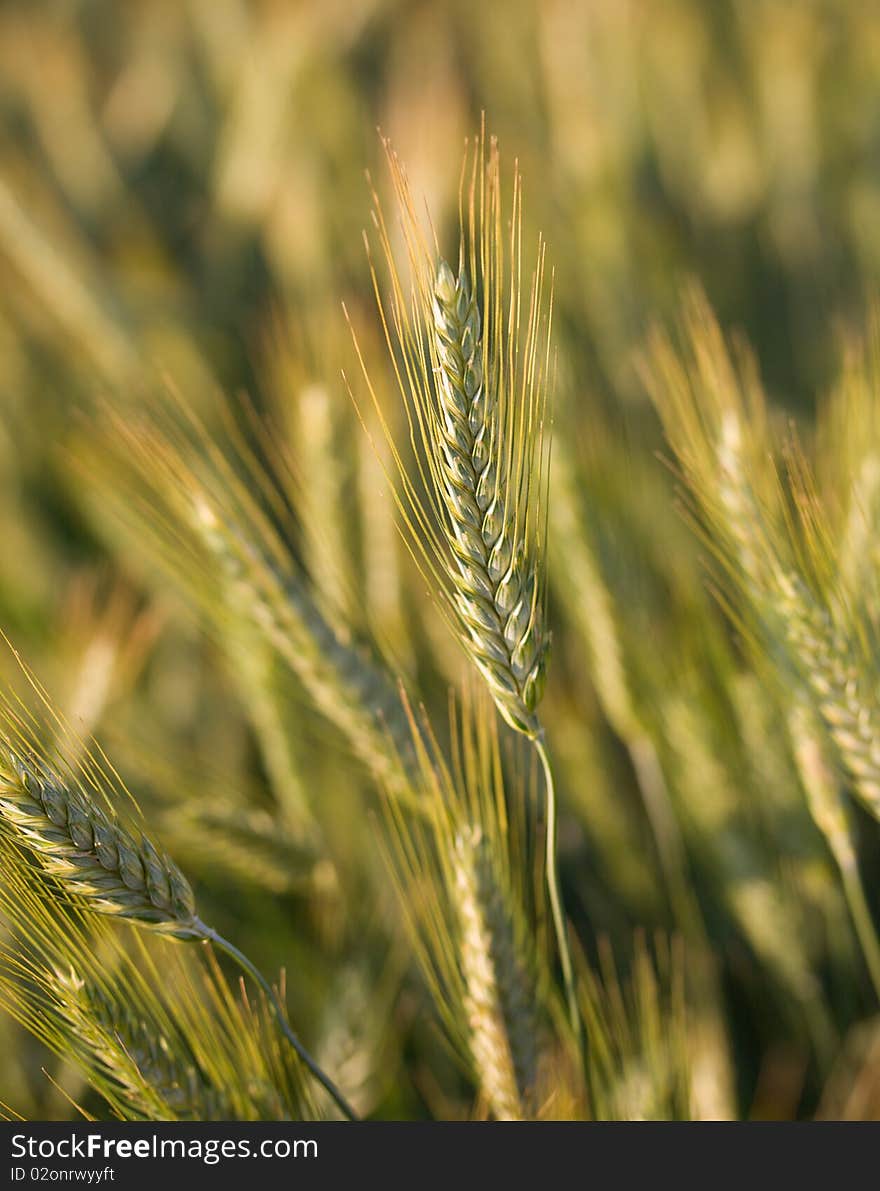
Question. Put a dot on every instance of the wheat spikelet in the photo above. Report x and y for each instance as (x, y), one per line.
(88, 851)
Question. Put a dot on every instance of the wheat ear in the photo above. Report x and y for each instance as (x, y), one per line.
(499, 1013)
(241, 567)
(831, 815)
(832, 676)
(138, 1058)
(105, 864)
(459, 870)
(473, 370)
(496, 580)
(89, 852)
(344, 679)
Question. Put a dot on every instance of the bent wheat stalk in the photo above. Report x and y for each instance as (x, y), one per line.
(210, 935)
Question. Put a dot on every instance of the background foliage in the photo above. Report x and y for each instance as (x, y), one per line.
(182, 198)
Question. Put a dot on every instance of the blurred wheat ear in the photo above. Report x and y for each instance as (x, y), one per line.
(215, 513)
(771, 534)
(462, 871)
(473, 371)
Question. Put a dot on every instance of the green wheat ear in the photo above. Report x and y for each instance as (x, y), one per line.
(181, 486)
(89, 852)
(496, 580)
(471, 356)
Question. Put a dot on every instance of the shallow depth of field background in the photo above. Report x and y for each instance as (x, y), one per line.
(182, 195)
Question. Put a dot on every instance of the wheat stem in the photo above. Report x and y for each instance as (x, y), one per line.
(552, 877)
(208, 933)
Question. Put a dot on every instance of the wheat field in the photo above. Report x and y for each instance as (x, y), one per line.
(439, 471)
